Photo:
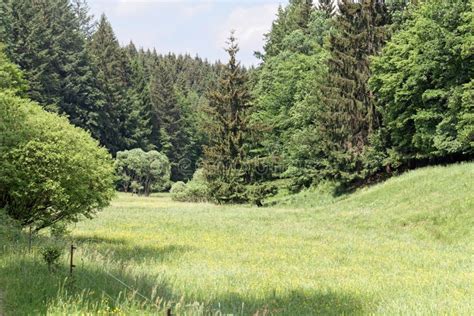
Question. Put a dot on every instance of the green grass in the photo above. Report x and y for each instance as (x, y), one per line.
(405, 246)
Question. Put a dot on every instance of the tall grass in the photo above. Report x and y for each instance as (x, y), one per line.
(402, 247)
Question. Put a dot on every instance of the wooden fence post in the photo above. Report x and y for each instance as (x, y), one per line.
(71, 264)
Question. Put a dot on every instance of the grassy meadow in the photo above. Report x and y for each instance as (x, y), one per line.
(405, 246)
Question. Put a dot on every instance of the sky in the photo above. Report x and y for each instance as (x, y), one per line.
(191, 26)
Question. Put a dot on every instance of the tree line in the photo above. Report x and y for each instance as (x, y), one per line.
(125, 97)
(345, 92)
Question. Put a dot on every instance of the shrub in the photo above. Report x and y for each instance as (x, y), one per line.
(178, 187)
(50, 171)
(142, 172)
(195, 190)
(51, 255)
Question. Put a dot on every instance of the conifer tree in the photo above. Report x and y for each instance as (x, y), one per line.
(349, 117)
(111, 62)
(224, 157)
(139, 96)
(295, 16)
(87, 24)
(167, 132)
(328, 7)
(45, 39)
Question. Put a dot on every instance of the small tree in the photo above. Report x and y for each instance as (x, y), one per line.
(50, 171)
(142, 172)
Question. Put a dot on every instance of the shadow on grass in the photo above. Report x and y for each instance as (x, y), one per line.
(294, 302)
(29, 287)
(96, 240)
(120, 250)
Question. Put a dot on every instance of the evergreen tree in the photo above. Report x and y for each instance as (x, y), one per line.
(167, 132)
(139, 96)
(328, 7)
(295, 16)
(349, 117)
(45, 39)
(113, 71)
(87, 23)
(224, 157)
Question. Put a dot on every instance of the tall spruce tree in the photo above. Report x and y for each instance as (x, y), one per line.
(295, 16)
(113, 71)
(328, 7)
(166, 117)
(225, 155)
(139, 96)
(86, 20)
(349, 117)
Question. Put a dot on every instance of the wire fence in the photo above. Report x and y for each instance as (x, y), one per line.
(113, 277)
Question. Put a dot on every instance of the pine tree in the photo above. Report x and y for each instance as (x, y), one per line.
(139, 96)
(349, 117)
(224, 157)
(167, 133)
(86, 20)
(295, 16)
(45, 39)
(328, 7)
(113, 73)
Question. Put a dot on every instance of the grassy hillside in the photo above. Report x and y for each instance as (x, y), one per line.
(402, 247)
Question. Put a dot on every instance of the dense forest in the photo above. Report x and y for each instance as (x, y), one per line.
(346, 92)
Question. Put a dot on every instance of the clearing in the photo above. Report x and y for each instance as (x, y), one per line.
(401, 247)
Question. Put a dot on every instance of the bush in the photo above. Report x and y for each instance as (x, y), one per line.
(51, 255)
(178, 187)
(50, 171)
(195, 190)
(142, 172)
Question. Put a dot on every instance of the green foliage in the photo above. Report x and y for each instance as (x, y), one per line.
(44, 39)
(59, 230)
(142, 172)
(295, 16)
(259, 192)
(349, 116)
(177, 188)
(196, 190)
(10, 230)
(227, 129)
(51, 255)
(424, 86)
(288, 99)
(226, 256)
(11, 78)
(50, 171)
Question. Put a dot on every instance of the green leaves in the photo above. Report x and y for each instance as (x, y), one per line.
(50, 171)
(142, 172)
(421, 81)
